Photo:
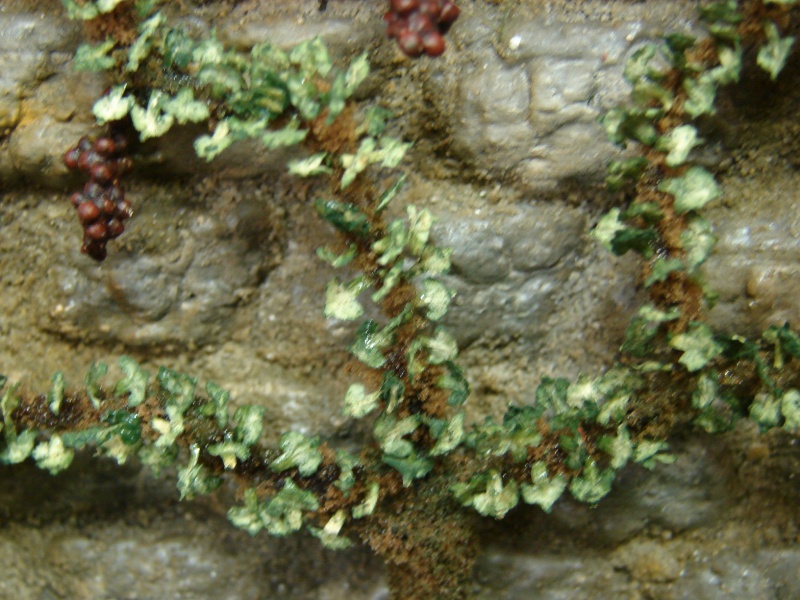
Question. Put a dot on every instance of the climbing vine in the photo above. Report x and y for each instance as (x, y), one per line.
(572, 436)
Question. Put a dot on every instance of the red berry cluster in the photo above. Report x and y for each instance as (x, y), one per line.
(101, 205)
(419, 25)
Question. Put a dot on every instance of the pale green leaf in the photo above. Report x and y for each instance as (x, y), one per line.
(141, 46)
(185, 108)
(543, 490)
(693, 190)
(435, 296)
(365, 508)
(358, 403)
(698, 346)
(593, 484)
(113, 106)
(298, 451)
(341, 300)
(678, 143)
(772, 55)
(94, 57)
(312, 165)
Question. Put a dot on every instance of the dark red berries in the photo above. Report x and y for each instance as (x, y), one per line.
(419, 25)
(101, 207)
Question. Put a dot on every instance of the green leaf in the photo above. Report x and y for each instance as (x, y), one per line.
(693, 190)
(698, 240)
(450, 437)
(84, 11)
(443, 347)
(56, 394)
(543, 490)
(419, 229)
(661, 268)
(698, 346)
(308, 167)
(367, 506)
(185, 108)
(390, 193)
(619, 447)
(593, 484)
(219, 401)
(766, 410)
(329, 535)
(487, 494)
(113, 106)
(648, 453)
(644, 327)
(678, 143)
(790, 409)
(356, 73)
(730, 66)
(620, 172)
(638, 66)
(141, 46)
(312, 57)
(18, 446)
(209, 146)
(646, 91)
(341, 300)
(346, 217)
(92, 382)
(249, 423)
(135, 382)
(52, 455)
(179, 389)
(346, 463)
(230, 452)
(94, 57)
(700, 93)
(772, 55)
(288, 136)
(389, 432)
(337, 260)
(723, 10)
(358, 403)
(435, 296)
(152, 121)
(194, 480)
(298, 451)
(411, 467)
(391, 246)
(453, 380)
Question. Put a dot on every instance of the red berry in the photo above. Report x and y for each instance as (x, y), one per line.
(410, 43)
(430, 8)
(105, 146)
(97, 250)
(84, 144)
(433, 42)
(449, 13)
(93, 190)
(124, 209)
(404, 7)
(76, 199)
(108, 207)
(102, 173)
(71, 158)
(96, 231)
(115, 228)
(88, 211)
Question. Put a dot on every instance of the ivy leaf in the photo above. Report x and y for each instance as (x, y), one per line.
(593, 484)
(772, 55)
(141, 46)
(698, 346)
(454, 380)
(249, 423)
(209, 146)
(56, 394)
(219, 402)
(435, 296)
(308, 167)
(660, 269)
(450, 436)
(230, 452)
(790, 409)
(443, 347)
(92, 382)
(543, 490)
(619, 447)
(312, 57)
(390, 432)
(678, 143)
(113, 106)
(94, 57)
(344, 216)
(650, 452)
(18, 446)
(194, 479)
(693, 190)
(152, 121)
(185, 108)
(367, 506)
(698, 241)
(288, 136)
(730, 64)
(298, 451)
(701, 93)
(341, 300)
(619, 172)
(487, 494)
(411, 467)
(329, 535)
(358, 403)
(52, 455)
(346, 463)
(390, 193)
(135, 382)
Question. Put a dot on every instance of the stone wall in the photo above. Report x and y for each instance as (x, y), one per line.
(217, 277)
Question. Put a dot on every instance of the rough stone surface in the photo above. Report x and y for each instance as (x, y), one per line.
(217, 276)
